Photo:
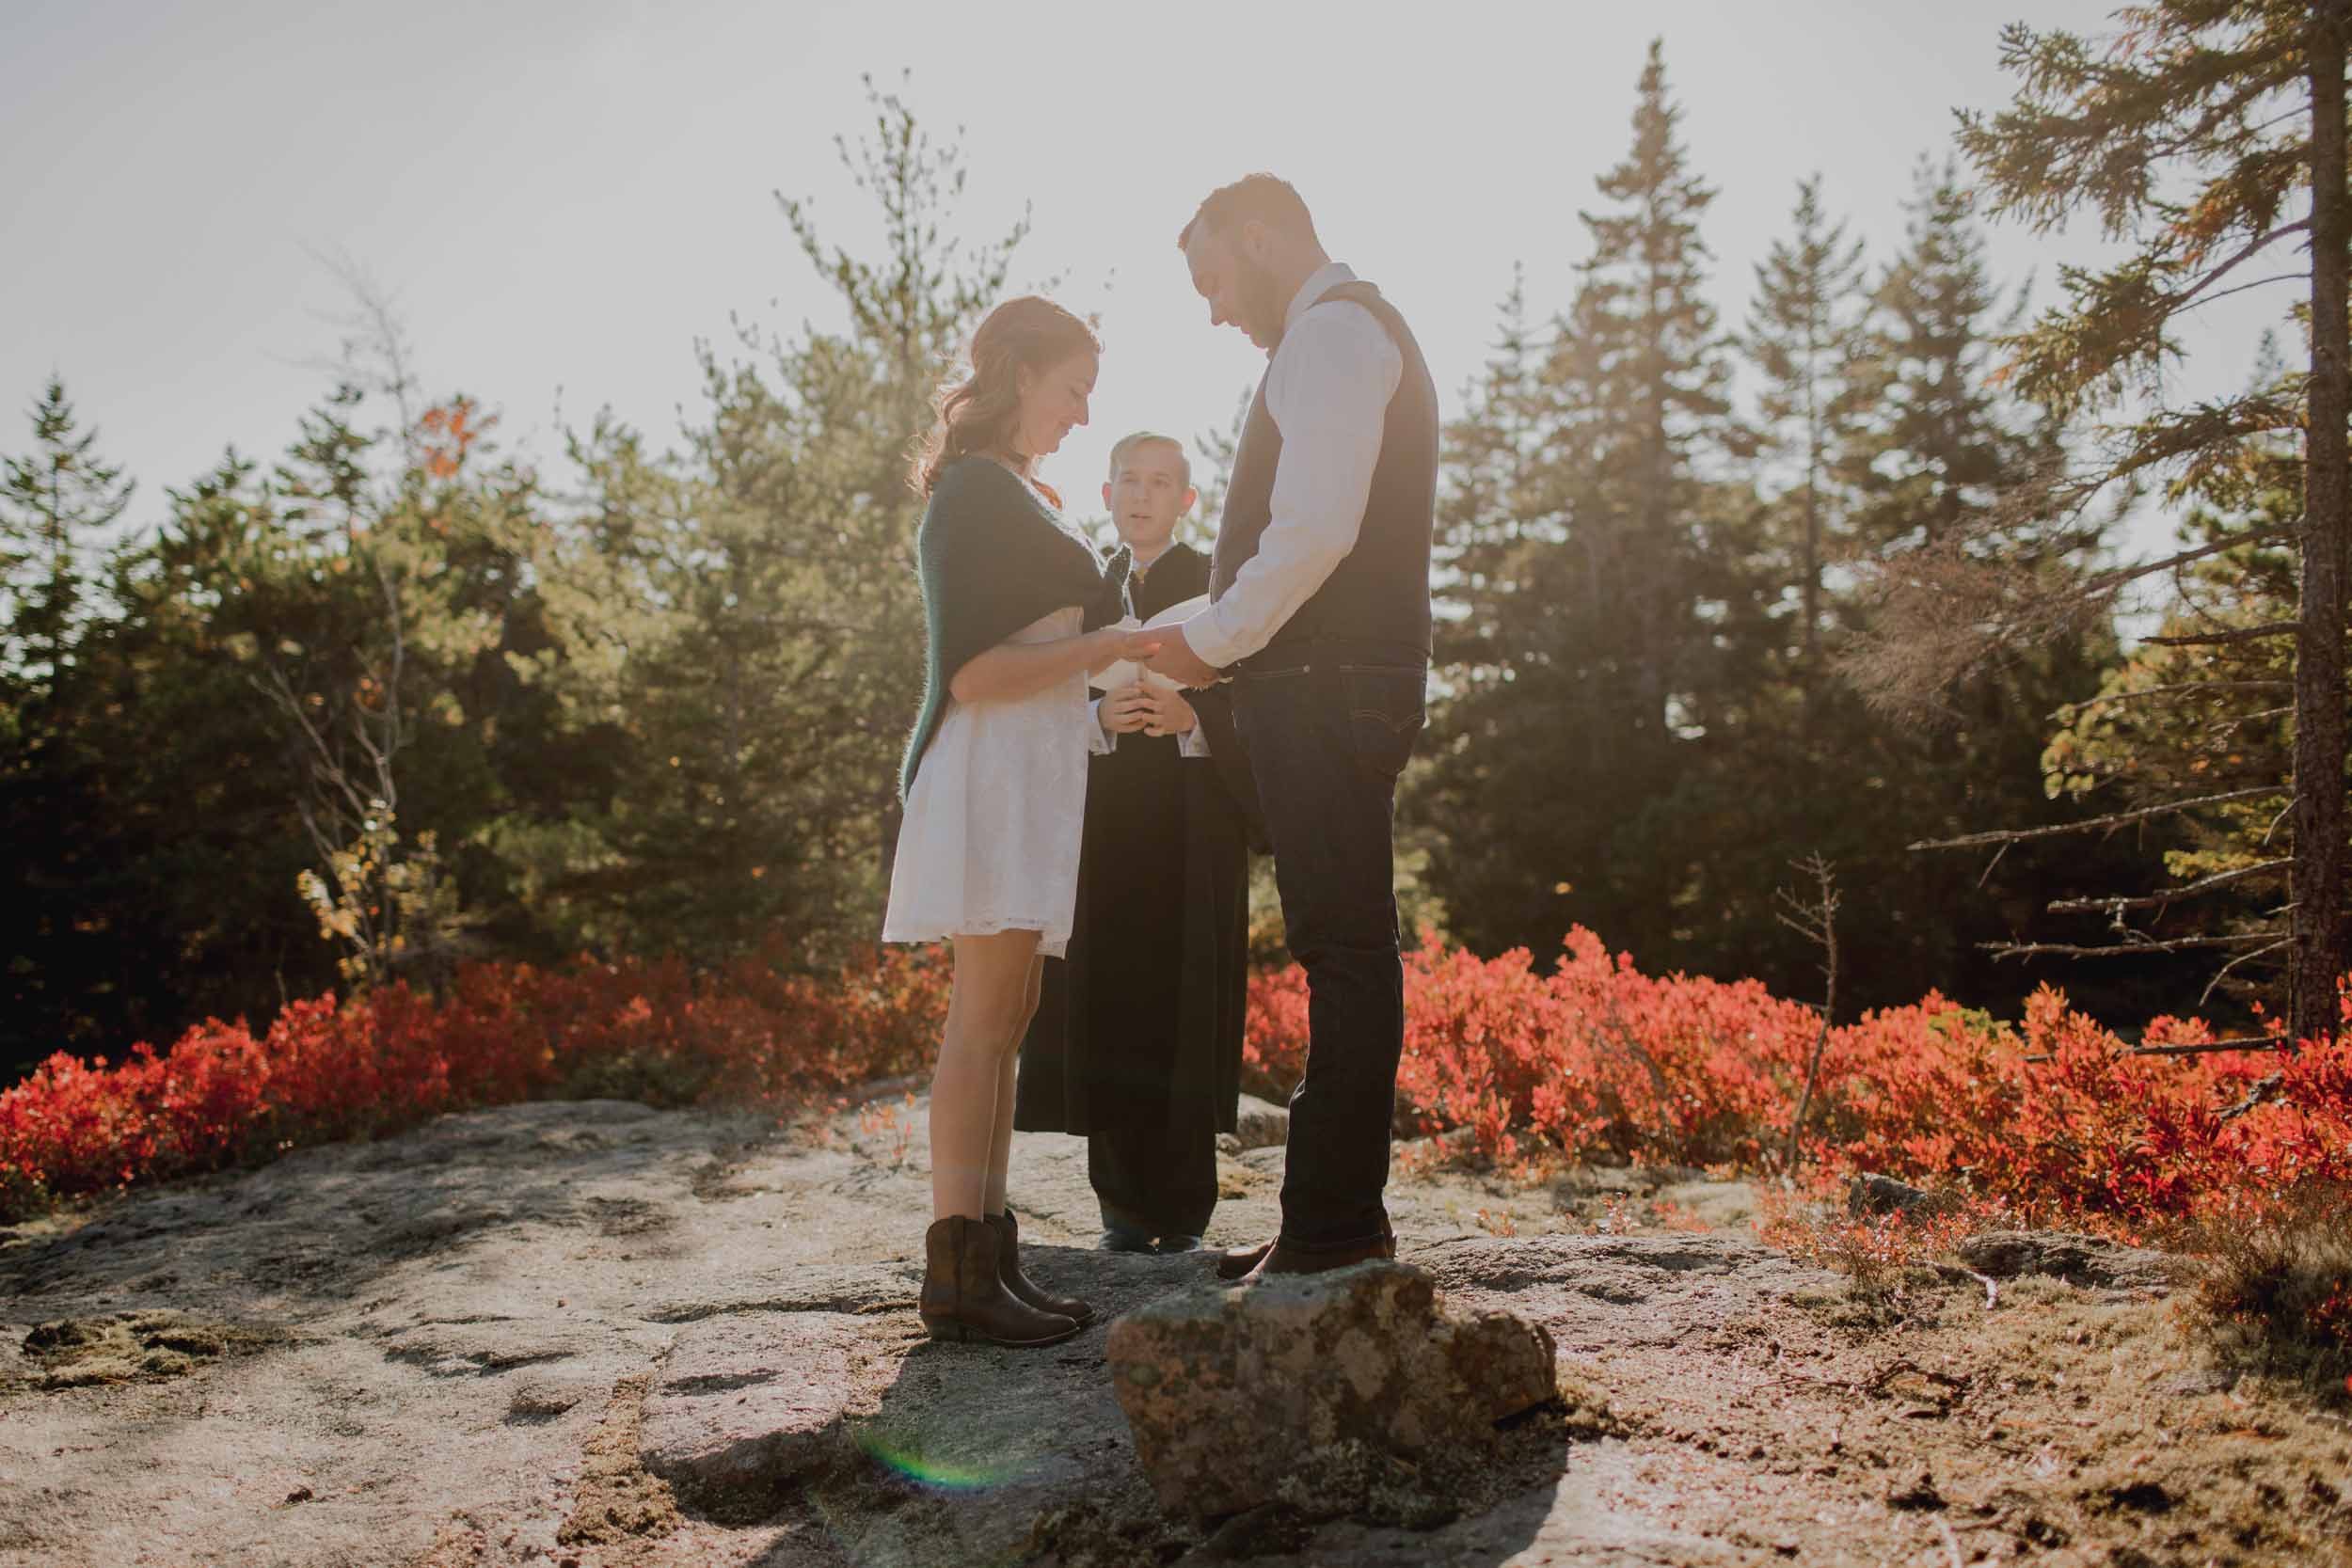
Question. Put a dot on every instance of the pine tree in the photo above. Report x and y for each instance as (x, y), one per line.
(1809, 337)
(56, 504)
(1584, 542)
(746, 611)
(1945, 443)
(2195, 133)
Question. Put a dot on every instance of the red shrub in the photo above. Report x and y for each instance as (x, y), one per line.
(1595, 1059)
(1591, 1059)
(504, 1033)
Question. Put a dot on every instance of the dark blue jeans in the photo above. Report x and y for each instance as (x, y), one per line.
(1326, 741)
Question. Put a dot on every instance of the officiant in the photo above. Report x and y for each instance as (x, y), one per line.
(1137, 1041)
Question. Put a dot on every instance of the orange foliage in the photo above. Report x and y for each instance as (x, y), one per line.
(224, 1096)
(1591, 1060)
(446, 431)
(1596, 1061)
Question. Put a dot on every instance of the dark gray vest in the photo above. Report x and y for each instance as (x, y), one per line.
(1374, 607)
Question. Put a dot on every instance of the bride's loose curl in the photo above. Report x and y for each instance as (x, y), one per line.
(976, 411)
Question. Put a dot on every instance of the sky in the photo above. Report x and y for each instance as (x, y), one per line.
(559, 199)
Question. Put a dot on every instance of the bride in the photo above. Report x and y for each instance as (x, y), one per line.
(1018, 612)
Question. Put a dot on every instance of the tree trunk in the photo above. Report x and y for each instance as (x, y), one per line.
(2319, 848)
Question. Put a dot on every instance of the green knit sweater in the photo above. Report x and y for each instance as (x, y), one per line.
(992, 560)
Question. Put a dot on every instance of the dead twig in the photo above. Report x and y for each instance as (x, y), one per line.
(1992, 1291)
(2247, 957)
(2171, 689)
(2257, 1042)
(2235, 634)
(2261, 1090)
(1816, 922)
(2118, 949)
(2158, 901)
(2117, 819)
(1951, 1542)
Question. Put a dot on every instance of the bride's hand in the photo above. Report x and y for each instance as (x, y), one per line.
(1113, 643)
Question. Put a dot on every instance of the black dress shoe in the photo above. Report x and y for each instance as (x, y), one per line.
(1281, 1260)
(1177, 1243)
(1124, 1238)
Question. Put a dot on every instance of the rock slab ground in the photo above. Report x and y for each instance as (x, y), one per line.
(605, 1336)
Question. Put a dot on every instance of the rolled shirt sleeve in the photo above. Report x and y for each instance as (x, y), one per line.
(1327, 392)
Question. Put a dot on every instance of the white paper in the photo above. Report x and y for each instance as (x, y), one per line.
(1126, 672)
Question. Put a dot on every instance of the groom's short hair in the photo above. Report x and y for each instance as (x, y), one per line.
(1151, 437)
(1273, 202)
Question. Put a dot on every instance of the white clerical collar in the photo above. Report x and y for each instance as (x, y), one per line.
(1319, 282)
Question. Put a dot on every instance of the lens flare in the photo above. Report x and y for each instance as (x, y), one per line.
(933, 1473)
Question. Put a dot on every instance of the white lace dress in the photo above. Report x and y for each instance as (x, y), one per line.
(995, 817)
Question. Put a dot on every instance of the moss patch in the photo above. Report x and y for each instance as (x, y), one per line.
(129, 1347)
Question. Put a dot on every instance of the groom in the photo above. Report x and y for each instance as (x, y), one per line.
(1319, 616)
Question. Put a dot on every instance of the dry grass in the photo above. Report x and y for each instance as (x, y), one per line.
(1876, 1251)
(2274, 1294)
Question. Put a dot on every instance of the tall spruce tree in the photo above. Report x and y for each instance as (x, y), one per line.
(56, 501)
(1579, 529)
(2209, 137)
(1809, 338)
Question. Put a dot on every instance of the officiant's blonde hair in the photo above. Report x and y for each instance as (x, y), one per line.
(1146, 438)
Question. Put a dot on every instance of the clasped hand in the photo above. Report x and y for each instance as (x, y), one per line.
(1154, 709)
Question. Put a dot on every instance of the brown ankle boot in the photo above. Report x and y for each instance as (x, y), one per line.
(1009, 1270)
(964, 1299)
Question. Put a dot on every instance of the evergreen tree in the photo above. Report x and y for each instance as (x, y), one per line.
(2201, 710)
(1944, 443)
(1585, 544)
(1945, 449)
(1809, 338)
(766, 656)
(55, 502)
(2197, 133)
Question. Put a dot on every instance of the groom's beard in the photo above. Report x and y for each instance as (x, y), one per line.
(1263, 306)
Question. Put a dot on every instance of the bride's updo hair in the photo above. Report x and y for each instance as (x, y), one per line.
(976, 411)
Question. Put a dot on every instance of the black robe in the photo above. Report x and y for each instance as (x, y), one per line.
(1139, 1031)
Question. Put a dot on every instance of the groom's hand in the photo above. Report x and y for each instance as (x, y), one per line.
(1179, 663)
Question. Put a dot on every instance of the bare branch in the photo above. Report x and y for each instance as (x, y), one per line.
(2258, 283)
(1816, 922)
(2160, 900)
(2252, 248)
(2123, 950)
(2236, 634)
(2247, 957)
(2118, 819)
(2172, 688)
(2258, 1042)
(2263, 1042)
(2261, 1090)
(2116, 577)
(2118, 949)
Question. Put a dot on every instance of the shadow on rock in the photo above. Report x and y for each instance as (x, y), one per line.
(319, 1226)
(972, 1452)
